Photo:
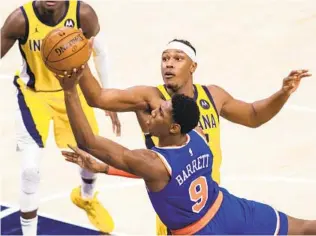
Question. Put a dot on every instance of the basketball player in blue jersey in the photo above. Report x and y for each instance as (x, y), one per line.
(178, 64)
(177, 174)
(41, 100)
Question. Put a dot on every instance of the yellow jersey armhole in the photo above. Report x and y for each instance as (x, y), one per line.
(210, 98)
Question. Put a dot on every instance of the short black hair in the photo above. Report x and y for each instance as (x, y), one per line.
(186, 42)
(185, 112)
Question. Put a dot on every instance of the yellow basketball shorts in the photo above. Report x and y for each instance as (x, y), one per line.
(37, 109)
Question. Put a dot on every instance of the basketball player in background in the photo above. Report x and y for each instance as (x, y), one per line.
(40, 100)
(177, 174)
(178, 64)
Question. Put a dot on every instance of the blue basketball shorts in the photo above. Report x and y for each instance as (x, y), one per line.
(241, 216)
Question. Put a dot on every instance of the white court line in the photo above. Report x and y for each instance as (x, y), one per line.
(87, 226)
(229, 178)
(8, 211)
(112, 186)
(14, 209)
(133, 183)
(290, 107)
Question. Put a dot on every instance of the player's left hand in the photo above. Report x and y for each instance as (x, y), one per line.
(116, 124)
(292, 81)
(84, 160)
(68, 81)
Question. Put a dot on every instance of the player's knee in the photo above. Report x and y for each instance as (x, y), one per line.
(30, 179)
(300, 227)
(308, 227)
(29, 196)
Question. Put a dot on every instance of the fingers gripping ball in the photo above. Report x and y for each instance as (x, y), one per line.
(64, 49)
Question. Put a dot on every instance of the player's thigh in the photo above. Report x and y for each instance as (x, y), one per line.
(62, 129)
(241, 216)
(266, 220)
(32, 117)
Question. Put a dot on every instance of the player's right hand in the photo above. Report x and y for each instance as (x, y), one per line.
(69, 81)
(293, 80)
(85, 160)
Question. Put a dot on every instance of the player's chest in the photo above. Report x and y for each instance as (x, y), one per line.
(208, 116)
(38, 31)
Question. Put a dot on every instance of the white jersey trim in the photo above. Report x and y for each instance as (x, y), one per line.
(165, 162)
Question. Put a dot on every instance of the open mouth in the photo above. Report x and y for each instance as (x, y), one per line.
(50, 3)
(169, 75)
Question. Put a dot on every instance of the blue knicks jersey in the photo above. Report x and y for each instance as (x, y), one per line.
(191, 191)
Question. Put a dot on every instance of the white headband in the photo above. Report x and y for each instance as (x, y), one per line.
(183, 47)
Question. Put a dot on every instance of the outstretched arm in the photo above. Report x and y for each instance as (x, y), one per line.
(136, 162)
(88, 162)
(259, 112)
(132, 99)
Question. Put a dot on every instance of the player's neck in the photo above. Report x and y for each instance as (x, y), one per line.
(51, 17)
(173, 141)
(187, 89)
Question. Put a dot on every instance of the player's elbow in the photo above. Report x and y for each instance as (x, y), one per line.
(86, 143)
(86, 140)
(255, 120)
(92, 103)
(254, 124)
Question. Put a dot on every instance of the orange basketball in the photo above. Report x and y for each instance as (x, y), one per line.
(64, 49)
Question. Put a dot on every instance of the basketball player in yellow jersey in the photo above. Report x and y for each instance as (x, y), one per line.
(178, 65)
(40, 99)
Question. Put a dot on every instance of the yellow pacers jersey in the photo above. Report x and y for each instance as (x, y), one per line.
(209, 122)
(34, 73)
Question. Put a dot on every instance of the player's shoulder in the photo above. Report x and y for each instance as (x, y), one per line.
(212, 88)
(15, 24)
(86, 10)
(216, 89)
(218, 94)
(89, 22)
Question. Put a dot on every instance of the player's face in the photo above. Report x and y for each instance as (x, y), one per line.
(176, 68)
(51, 6)
(160, 120)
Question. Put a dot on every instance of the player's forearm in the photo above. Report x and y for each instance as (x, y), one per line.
(106, 99)
(104, 168)
(116, 172)
(265, 110)
(101, 148)
(78, 121)
(90, 87)
(110, 99)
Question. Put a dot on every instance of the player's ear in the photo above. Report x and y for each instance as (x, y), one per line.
(175, 128)
(193, 67)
